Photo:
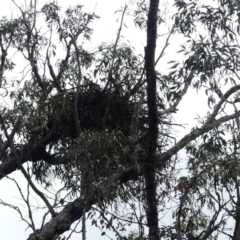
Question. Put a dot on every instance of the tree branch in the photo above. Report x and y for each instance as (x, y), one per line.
(192, 136)
(24, 172)
(220, 103)
(74, 210)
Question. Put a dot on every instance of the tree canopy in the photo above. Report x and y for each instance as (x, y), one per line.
(102, 121)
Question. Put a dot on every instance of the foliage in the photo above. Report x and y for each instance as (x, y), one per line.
(103, 121)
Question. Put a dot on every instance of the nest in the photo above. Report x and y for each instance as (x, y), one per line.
(98, 110)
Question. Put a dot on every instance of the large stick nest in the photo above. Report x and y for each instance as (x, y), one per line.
(98, 110)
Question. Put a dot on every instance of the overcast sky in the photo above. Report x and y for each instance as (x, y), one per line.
(105, 28)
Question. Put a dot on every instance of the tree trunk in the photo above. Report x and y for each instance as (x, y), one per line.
(150, 162)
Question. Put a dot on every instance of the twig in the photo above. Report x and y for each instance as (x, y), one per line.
(26, 175)
(110, 78)
(166, 44)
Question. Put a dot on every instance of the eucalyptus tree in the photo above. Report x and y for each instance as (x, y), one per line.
(102, 121)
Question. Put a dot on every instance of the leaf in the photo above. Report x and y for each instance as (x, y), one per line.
(174, 66)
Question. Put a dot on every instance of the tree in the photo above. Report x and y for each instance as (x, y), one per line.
(102, 121)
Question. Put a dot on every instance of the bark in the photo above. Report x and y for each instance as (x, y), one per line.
(74, 210)
(150, 162)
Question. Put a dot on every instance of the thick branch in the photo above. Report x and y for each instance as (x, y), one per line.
(192, 136)
(28, 153)
(74, 210)
(220, 103)
(24, 172)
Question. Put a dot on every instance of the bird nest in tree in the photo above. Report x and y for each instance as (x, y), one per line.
(97, 110)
